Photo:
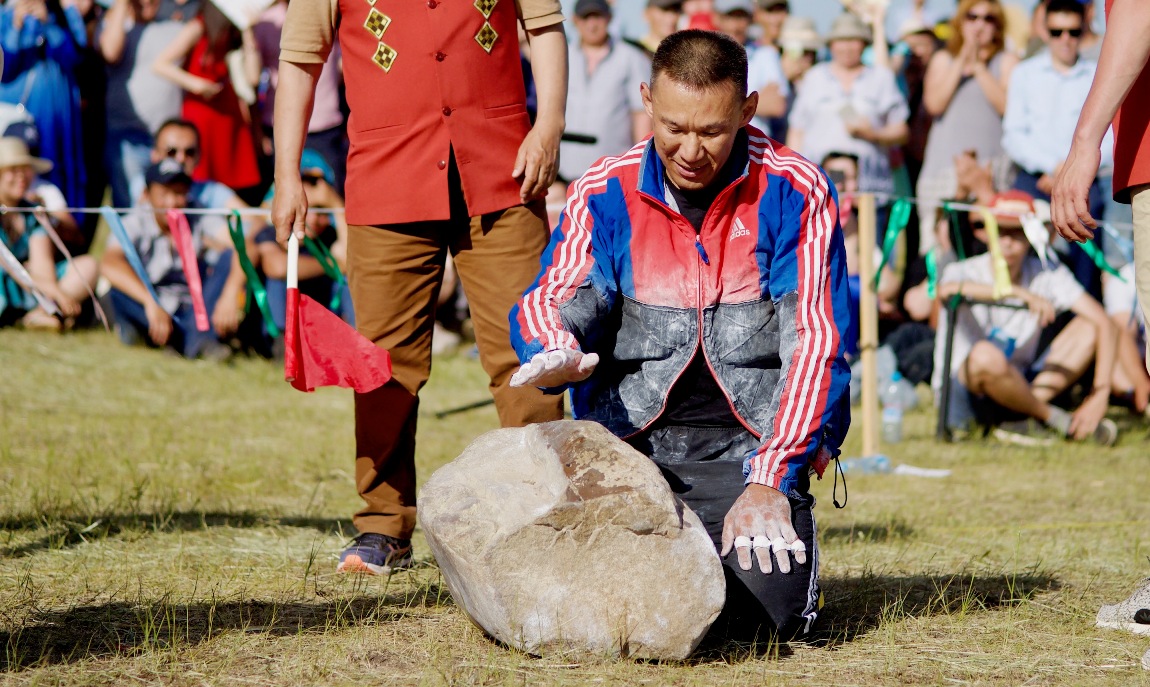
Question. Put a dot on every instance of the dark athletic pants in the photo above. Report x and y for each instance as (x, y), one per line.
(704, 466)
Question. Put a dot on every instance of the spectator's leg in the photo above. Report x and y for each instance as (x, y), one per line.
(394, 273)
(277, 301)
(130, 318)
(79, 277)
(1141, 202)
(127, 155)
(213, 279)
(496, 261)
(987, 372)
(1068, 357)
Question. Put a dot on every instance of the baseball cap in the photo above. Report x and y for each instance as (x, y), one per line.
(27, 132)
(770, 4)
(666, 4)
(1012, 204)
(732, 6)
(166, 172)
(584, 8)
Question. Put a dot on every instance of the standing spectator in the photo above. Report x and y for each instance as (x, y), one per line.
(770, 15)
(733, 17)
(850, 108)
(41, 40)
(765, 71)
(662, 20)
(604, 99)
(965, 91)
(210, 101)
(325, 129)
(457, 168)
(700, 14)
(797, 51)
(138, 100)
(917, 44)
(22, 235)
(1046, 94)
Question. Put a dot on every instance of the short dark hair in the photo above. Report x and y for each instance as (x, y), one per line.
(701, 60)
(1066, 7)
(178, 123)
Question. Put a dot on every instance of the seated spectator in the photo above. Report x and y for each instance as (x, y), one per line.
(997, 371)
(330, 229)
(1131, 383)
(849, 107)
(842, 169)
(46, 194)
(170, 321)
(23, 236)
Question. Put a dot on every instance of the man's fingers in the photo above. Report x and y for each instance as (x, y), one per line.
(588, 362)
(762, 547)
(782, 552)
(799, 549)
(743, 551)
(728, 538)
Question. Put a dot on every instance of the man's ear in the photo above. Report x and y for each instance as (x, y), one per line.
(750, 106)
(645, 91)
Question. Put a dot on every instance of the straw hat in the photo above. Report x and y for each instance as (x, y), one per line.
(848, 26)
(799, 34)
(14, 153)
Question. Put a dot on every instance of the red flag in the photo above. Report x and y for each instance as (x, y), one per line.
(320, 349)
(182, 237)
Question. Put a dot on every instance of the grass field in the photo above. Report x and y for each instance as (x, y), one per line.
(173, 522)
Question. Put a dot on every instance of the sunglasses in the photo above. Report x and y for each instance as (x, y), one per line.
(312, 179)
(1057, 33)
(188, 152)
(988, 18)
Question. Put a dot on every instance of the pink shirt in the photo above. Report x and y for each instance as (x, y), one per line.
(325, 113)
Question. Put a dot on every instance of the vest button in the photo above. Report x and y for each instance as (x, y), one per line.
(440, 56)
(447, 112)
(442, 164)
(432, 4)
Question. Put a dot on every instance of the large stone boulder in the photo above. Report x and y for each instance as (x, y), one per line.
(560, 538)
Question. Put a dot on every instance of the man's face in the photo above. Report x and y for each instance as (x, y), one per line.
(178, 143)
(165, 196)
(14, 183)
(847, 52)
(846, 169)
(734, 24)
(922, 45)
(663, 22)
(1063, 43)
(146, 10)
(771, 20)
(593, 29)
(695, 130)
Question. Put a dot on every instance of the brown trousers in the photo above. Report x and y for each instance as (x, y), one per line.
(395, 272)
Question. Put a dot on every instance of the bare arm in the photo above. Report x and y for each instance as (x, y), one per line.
(1093, 408)
(943, 74)
(1124, 55)
(295, 95)
(537, 161)
(772, 103)
(113, 34)
(167, 62)
(253, 64)
(115, 268)
(640, 125)
(995, 88)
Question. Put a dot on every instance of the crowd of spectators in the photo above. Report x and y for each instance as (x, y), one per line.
(157, 104)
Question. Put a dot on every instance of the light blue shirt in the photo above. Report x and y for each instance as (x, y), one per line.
(1042, 108)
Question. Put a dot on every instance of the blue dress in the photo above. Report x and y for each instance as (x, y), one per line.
(40, 70)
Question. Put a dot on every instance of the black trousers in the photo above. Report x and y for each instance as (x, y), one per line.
(704, 466)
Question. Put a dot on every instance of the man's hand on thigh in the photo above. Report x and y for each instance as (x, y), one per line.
(760, 522)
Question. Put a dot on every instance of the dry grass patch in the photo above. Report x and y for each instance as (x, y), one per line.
(171, 522)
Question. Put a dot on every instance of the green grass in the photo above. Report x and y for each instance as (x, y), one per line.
(172, 522)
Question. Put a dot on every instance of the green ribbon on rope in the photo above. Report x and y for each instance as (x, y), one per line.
(952, 219)
(259, 294)
(330, 268)
(1095, 254)
(899, 217)
(931, 259)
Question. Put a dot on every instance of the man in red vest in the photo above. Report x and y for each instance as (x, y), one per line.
(442, 158)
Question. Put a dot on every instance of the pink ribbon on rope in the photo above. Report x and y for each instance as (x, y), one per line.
(182, 237)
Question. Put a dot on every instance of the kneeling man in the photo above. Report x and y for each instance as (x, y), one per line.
(694, 297)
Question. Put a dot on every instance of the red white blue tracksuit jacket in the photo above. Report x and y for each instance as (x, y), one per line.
(762, 288)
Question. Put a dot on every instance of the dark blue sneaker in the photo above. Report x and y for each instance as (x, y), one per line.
(375, 554)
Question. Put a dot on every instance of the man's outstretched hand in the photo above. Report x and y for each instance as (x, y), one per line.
(555, 368)
(760, 521)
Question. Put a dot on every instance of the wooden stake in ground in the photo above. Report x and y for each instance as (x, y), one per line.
(868, 324)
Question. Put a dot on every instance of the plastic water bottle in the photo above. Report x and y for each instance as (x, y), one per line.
(867, 465)
(907, 394)
(892, 396)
